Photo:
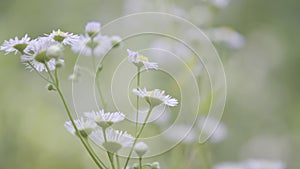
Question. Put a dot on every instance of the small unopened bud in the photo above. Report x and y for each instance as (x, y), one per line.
(55, 51)
(141, 148)
(50, 87)
(116, 41)
(155, 165)
(59, 64)
(92, 28)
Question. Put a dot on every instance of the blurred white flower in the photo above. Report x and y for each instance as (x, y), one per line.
(212, 128)
(181, 132)
(140, 60)
(87, 46)
(229, 165)
(115, 139)
(220, 3)
(15, 45)
(264, 164)
(105, 120)
(140, 148)
(64, 38)
(228, 36)
(156, 97)
(36, 55)
(92, 28)
(85, 127)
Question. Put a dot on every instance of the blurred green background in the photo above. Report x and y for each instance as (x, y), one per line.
(262, 110)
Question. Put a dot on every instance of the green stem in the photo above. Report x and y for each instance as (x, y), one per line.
(43, 77)
(118, 161)
(140, 163)
(50, 74)
(137, 100)
(138, 135)
(109, 154)
(71, 118)
(89, 146)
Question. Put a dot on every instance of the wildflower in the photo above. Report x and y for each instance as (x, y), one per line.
(85, 127)
(97, 46)
(212, 127)
(37, 54)
(140, 60)
(116, 41)
(155, 165)
(15, 45)
(64, 38)
(92, 28)
(104, 120)
(140, 148)
(156, 97)
(114, 141)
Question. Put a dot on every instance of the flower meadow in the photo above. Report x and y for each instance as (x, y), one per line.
(145, 91)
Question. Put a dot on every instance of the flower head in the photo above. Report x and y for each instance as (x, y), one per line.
(97, 46)
(140, 60)
(114, 141)
(140, 148)
(39, 53)
(64, 38)
(85, 127)
(156, 97)
(92, 28)
(15, 45)
(104, 120)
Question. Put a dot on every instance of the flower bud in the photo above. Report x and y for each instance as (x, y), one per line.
(55, 51)
(140, 148)
(155, 165)
(116, 41)
(59, 64)
(50, 87)
(92, 28)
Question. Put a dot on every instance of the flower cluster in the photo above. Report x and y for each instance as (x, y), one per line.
(93, 43)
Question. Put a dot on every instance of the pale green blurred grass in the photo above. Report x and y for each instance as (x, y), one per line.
(263, 82)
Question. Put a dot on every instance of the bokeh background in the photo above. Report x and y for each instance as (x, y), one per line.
(262, 110)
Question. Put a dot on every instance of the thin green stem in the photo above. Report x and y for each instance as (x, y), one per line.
(138, 135)
(118, 161)
(137, 100)
(109, 154)
(140, 163)
(89, 146)
(72, 120)
(50, 74)
(39, 74)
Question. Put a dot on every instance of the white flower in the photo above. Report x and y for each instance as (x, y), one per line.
(36, 55)
(116, 40)
(264, 164)
(105, 120)
(220, 3)
(92, 28)
(228, 36)
(140, 60)
(115, 139)
(156, 97)
(85, 127)
(98, 46)
(229, 165)
(212, 127)
(15, 45)
(63, 37)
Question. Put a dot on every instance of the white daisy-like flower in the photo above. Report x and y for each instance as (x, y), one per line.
(36, 55)
(115, 139)
(212, 128)
(85, 127)
(98, 46)
(92, 28)
(155, 97)
(264, 164)
(104, 120)
(64, 38)
(140, 60)
(15, 45)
